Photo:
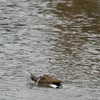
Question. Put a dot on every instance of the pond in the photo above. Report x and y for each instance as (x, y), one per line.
(56, 37)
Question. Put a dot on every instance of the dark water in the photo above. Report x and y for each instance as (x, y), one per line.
(57, 37)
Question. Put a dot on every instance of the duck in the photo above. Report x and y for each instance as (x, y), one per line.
(46, 80)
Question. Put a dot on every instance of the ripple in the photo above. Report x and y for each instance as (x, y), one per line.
(59, 38)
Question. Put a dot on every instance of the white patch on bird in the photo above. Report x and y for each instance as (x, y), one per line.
(53, 85)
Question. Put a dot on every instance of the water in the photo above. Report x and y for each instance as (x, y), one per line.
(57, 37)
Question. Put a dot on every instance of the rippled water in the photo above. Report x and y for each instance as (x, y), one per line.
(57, 37)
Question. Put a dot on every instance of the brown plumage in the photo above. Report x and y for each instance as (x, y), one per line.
(45, 79)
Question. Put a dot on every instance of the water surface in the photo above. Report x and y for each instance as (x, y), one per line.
(57, 37)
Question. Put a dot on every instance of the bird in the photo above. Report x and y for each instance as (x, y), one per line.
(46, 80)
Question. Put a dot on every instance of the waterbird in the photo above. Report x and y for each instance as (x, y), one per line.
(46, 80)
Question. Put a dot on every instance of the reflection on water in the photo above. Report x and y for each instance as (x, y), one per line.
(58, 37)
(78, 16)
(77, 42)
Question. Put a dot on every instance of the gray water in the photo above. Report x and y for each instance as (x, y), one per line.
(56, 37)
